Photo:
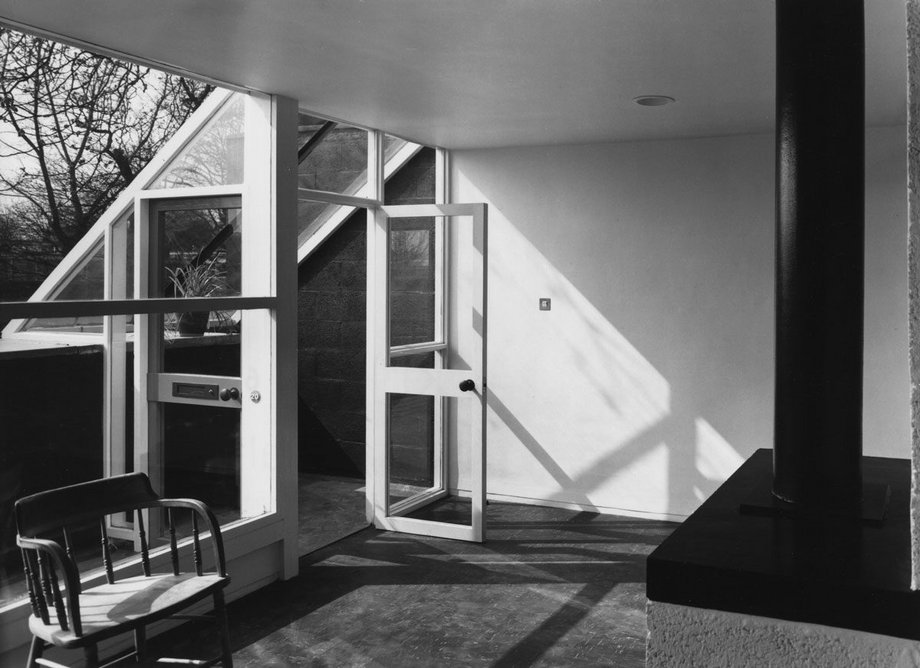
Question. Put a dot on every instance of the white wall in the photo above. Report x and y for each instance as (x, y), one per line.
(651, 378)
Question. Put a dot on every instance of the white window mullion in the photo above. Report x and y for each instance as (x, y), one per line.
(309, 195)
(147, 434)
(256, 347)
(441, 176)
(442, 303)
(114, 365)
(375, 167)
(282, 198)
(375, 412)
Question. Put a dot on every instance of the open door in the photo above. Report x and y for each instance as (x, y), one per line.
(427, 354)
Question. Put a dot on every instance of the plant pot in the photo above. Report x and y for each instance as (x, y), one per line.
(193, 323)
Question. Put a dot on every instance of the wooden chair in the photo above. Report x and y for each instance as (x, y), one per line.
(64, 614)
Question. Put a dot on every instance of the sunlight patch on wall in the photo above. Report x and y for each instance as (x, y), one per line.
(716, 459)
(575, 408)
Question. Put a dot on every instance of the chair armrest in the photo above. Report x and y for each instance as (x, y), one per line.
(213, 527)
(65, 564)
(58, 556)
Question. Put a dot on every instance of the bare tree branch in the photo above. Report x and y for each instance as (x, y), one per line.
(75, 129)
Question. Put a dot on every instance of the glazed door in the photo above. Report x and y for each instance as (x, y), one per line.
(428, 362)
(200, 394)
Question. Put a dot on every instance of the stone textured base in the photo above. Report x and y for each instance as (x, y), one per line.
(913, 263)
(684, 636)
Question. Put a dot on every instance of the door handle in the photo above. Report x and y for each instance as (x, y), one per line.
(467, 385)
(228, 393)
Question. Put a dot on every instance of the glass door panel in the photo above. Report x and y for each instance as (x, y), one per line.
(414, 267)
(201, 440)
(425, 482)
(198, 392)
(196, 417)
(206, 238)
(411, 447)
(199, 254)
(201, 456)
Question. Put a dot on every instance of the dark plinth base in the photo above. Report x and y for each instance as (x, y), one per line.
(872, 509)
(836, 571)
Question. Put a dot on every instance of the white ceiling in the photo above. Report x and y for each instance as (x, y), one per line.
(475, 73)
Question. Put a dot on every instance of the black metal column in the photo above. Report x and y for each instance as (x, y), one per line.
(820, 154)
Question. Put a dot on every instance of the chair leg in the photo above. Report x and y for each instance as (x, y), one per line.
(140, 644)
(220, 617)
(35, 651)
(91, 656)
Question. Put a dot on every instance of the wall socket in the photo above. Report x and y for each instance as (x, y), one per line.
(546, 303)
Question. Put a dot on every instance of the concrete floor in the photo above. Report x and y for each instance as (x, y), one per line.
(331, 508)
(550, 587)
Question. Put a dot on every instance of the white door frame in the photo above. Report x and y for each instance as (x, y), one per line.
(470, 234)
(153, 386)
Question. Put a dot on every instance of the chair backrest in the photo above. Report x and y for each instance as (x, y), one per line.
(41, 518)
(82, 503)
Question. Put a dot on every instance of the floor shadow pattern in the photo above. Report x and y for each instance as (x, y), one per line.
(550, 587)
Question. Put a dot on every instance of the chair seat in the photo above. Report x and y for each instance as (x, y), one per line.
(114, 608)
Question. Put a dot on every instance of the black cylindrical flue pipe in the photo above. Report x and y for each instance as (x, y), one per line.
(820, 156)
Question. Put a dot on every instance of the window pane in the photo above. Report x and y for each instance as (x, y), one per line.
(334, 159)
(310, 129)
(51, 416)
(211, 355)
(333, 156)
(410, 445)
(417, 361)
(215, 156)
(201, 453)
(408, 183)
(200, 244)
(414, 182)
(88, 282)
(391, 146)
(312, 216)
(413, 270)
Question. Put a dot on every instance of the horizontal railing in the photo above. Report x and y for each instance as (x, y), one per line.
(96, 307)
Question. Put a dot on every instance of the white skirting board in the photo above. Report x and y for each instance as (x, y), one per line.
(568, 505)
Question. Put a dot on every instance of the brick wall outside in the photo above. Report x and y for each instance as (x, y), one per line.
(330, 357)
(332, 328)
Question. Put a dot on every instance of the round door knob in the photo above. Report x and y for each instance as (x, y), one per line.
(228, 393)
(467, 385)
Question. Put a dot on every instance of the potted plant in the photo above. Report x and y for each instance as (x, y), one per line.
(202, 279)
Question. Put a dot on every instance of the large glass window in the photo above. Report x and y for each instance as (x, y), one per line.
(215, 156)
(74, 410)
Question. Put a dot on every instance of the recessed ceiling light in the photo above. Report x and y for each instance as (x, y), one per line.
(653, 100)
